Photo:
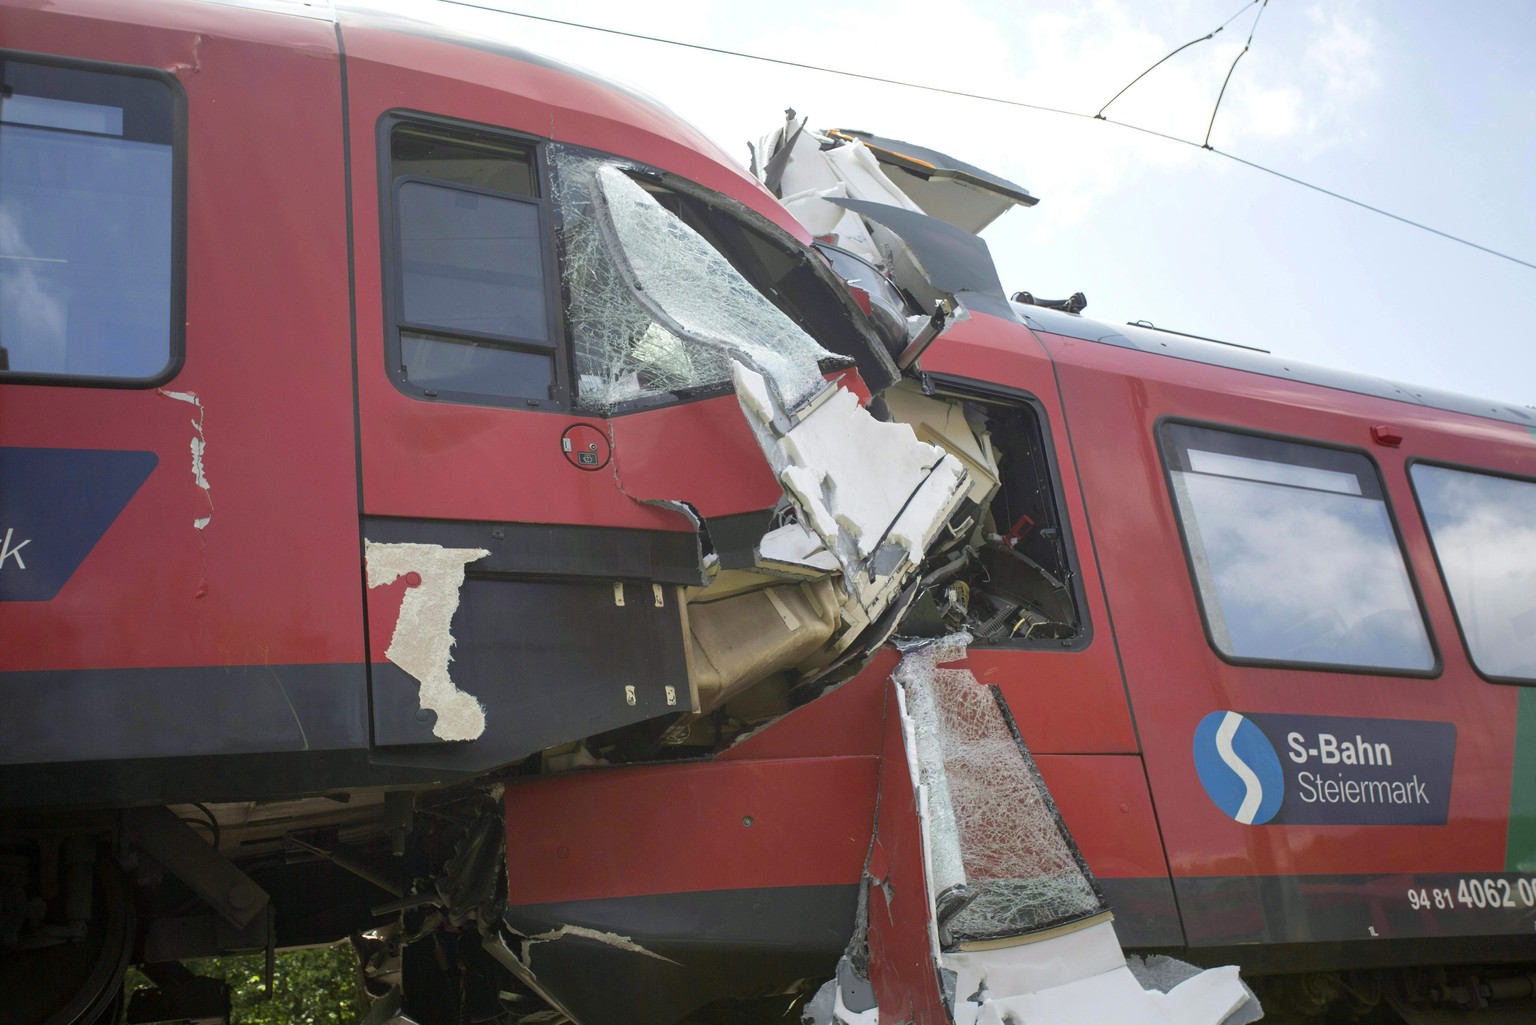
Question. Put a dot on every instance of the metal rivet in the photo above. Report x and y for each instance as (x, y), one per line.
(422, 715)
(746, 820)
(562, 852)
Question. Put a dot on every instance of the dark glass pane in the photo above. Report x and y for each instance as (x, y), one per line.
(472, 262)
(482, 368)
(495, 165)
(85, 225)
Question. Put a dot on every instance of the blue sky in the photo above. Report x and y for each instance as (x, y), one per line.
(1424, 109)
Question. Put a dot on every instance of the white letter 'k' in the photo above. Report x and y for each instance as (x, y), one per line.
(6, 551)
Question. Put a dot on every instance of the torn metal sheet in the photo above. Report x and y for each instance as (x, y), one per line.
(607, 938)
(950, 260)
(422, 642)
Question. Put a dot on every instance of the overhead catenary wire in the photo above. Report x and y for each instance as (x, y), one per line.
(1209, 35)
(1207, 143)
(985, 98)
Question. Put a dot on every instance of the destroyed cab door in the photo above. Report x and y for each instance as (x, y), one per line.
(543, 470)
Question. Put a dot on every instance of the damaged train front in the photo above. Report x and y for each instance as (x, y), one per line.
(697, 326)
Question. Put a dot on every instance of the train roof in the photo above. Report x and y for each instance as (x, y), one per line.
(1239, 357)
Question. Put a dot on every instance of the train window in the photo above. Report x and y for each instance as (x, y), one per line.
(471, 307)
(89, 224)
(1294, 553)
(1483, 529)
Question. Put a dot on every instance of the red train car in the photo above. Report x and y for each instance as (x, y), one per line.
(447, 504)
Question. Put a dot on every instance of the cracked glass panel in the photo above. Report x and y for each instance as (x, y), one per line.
(1003, 863)
(654, 309)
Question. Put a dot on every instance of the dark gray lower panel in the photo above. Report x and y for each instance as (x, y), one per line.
(703, 946)
(1296, 923)
(551, 661)
(109, 714)
(736, 537)
(1146, 915)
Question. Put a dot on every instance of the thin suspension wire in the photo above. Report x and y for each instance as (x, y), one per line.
(767, 60)
(1366, 206)
(1013, 103)
(1209, 35)
(1207, 143)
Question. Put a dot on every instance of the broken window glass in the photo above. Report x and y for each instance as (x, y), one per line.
(1294, 552)
(1484, 533)
(1003, 864)
(621, 353)
(667, 285)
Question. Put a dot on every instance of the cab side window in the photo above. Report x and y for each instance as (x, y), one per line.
(472, 317)
(90, 224)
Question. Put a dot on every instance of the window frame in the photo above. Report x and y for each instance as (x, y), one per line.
(392, 283)
(987, 392)
(1167, 447)
(1434, 549)
(176, 340)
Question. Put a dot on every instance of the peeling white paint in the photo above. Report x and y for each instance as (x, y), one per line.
(609, 938)
(199, 448)
(422, 642)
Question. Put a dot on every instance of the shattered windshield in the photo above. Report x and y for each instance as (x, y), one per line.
(664, 291)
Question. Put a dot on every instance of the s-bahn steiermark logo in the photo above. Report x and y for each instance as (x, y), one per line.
(1263, 768)
(1239, 768)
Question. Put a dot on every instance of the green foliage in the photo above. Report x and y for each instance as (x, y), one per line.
(309, 987)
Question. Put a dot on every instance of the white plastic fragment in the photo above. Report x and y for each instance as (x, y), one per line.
(874, 495)
(1212, 997)
(794, 549)
(422, 642)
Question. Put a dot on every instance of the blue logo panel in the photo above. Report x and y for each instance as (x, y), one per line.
(1326, 770)
(55, 504)
(1239, 768)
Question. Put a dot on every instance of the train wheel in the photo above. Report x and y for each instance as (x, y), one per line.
(79, 982)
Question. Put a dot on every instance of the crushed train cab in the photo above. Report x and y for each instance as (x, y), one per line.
(447, 504)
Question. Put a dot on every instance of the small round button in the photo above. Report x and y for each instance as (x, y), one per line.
(585, 446)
